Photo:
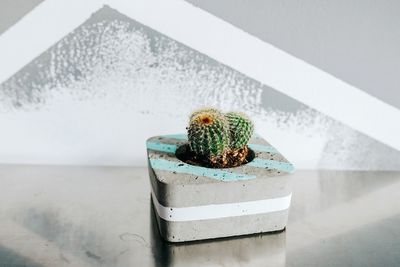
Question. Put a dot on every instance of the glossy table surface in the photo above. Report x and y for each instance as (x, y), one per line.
(101, 216)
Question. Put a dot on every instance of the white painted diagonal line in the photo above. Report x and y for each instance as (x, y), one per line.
(263, 62)
(216, 38)
(40, 29)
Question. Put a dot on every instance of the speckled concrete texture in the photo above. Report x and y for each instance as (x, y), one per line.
(178, 185)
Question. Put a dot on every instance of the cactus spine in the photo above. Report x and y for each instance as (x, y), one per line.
(208, 133)
(219, 140)
(203, 111)
(240, 128)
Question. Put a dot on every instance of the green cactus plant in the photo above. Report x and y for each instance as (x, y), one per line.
(208, 133)
(218, 140)
(240, 128)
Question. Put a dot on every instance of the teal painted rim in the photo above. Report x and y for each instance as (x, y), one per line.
(219, 174)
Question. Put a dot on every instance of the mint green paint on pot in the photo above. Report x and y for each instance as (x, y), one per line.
(181, 167)
(176, 136)
(157, 146)
(272, 164)
(255, 147)
(263, 148)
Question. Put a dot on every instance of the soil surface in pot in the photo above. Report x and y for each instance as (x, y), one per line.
(232, 158)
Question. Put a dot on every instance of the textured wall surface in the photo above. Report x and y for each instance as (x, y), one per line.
(97, 94)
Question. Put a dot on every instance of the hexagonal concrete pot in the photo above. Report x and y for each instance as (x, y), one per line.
(194, 203)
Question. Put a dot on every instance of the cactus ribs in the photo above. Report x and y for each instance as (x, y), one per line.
(217, 140)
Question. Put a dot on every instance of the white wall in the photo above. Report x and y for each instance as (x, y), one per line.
(111, 82)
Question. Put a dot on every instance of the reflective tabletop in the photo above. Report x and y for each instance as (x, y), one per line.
(101, 216)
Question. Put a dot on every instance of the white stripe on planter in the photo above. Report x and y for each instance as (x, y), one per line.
(217, 211)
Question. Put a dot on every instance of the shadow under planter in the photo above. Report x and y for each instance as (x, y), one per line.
(195, 203)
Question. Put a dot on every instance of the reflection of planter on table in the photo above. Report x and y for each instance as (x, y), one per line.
(194, 202)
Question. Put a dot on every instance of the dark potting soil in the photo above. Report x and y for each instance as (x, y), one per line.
(232, 158)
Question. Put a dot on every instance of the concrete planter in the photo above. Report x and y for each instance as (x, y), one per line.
(255, 250)
(194, 203)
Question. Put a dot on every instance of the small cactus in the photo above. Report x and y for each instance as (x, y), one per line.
(240, 128)
(218, 140)
(208, 133)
